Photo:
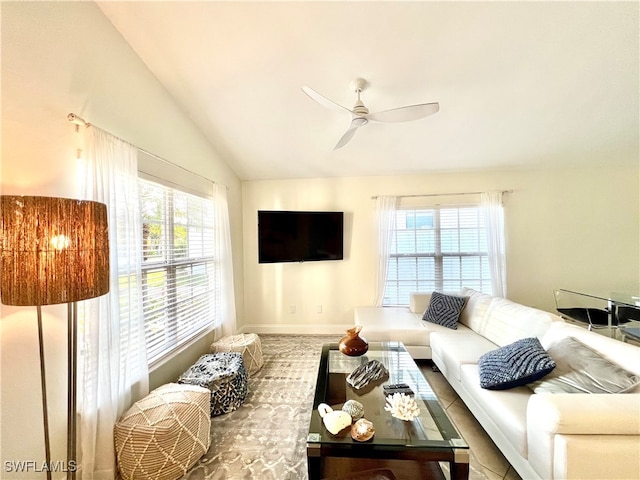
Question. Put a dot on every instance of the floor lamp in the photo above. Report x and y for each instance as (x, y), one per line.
(54, 250)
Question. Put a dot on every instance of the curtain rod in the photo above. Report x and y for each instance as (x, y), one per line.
(77, 120)
(439, 194)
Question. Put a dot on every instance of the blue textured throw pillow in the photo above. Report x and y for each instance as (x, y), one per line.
(514, 365)
(444, 310)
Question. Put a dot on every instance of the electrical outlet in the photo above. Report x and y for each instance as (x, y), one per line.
(292, 309)
(319, 309)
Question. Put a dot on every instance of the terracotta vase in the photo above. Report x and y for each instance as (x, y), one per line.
(352, 343)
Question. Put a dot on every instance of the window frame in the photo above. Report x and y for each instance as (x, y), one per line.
(159, 349)
(439, 280)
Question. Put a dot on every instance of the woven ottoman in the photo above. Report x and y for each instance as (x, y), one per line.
(225, 377)
(164, 434)
(248, 344)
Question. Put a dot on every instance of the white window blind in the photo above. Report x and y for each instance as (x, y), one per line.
(437, 248)
(178, 278)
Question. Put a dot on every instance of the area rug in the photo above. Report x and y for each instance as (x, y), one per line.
(265, 439)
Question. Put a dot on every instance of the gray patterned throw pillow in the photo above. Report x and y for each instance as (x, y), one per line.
(513, 365)
(444, 310)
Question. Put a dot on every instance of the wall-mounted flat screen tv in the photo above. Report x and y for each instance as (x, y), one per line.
(290, 236)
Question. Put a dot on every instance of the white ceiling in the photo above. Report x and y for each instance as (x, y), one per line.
(519, 83)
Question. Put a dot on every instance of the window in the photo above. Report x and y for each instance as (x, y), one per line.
(439, 248)
(178, 280)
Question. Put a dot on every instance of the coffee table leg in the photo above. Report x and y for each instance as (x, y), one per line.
(314, 467)
(460, 466)
(314, 458)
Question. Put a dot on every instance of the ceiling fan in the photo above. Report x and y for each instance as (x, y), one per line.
(360, 115)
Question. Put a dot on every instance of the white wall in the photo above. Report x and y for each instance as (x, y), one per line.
(571, 228)
(57, 58)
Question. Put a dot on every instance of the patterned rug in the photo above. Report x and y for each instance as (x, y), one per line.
(265, 439)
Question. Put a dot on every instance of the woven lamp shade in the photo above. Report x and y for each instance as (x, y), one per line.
(53, 250)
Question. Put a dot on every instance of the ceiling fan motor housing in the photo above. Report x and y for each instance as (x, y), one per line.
(359, 121)
(359, 109)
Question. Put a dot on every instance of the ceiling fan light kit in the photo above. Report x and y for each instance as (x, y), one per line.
(360, 115)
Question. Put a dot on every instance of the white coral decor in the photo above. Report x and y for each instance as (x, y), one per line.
(402, 406)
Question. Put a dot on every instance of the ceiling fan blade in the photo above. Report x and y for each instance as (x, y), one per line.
(324, 101)
(405, 114)
(348, 135)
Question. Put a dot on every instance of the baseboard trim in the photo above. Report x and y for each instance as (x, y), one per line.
(295, 329)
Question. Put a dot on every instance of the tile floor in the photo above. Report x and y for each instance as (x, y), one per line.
(487, 463)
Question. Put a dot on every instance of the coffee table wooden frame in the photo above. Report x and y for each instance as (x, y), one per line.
(429, 438)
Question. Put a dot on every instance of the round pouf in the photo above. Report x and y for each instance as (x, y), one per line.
(164, 434)
(225, 377)
(248, 344)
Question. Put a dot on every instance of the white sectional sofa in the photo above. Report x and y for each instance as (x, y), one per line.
(543, 435)
(401, 324)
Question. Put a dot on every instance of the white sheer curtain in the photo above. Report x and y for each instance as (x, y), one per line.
(112, 365)
(225, 304)
(491, 203)
(386, 216)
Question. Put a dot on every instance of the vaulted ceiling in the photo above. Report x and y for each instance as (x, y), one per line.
(518, 83)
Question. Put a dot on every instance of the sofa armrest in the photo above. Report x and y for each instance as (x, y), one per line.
(594, 457)
(419, 301)
(585, 414)
(560, 427)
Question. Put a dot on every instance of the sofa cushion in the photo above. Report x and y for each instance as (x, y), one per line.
(452, 349)
(581, 369)
(507, 321)
(475, 311)
(506, 410)
(513, 365)
(444, 309)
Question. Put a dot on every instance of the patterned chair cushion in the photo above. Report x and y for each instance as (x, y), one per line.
(164, 434)
(444, 310)
(247, 344)
(224, 375)
(513, 365)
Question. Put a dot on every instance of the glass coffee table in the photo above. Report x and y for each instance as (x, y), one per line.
(430, 437)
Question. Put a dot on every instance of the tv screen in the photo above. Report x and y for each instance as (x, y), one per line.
(288, 236)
